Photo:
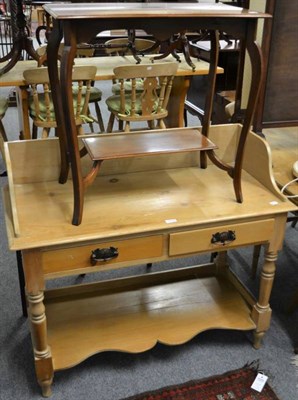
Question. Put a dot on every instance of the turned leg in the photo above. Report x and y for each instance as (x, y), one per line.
(261, 313)
(42, 353)
(35, 287)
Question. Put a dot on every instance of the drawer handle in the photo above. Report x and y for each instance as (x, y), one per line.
(105, 254)
(223, 238)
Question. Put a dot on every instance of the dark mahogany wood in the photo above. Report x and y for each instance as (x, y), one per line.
(125, 145)
(21, 39)
(81, 22)
(129, 145)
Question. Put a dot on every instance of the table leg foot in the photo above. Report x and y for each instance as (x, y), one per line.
(42, 353)
(46, 388)
(45, 374)
(258, 337)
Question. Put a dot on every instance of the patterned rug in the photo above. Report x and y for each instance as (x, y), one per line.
(295, 362)
(233, 385)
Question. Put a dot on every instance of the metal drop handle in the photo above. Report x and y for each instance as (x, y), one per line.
(223, 238)
(104, 254)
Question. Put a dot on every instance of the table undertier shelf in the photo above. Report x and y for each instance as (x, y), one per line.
(133, 315)
(105, 147)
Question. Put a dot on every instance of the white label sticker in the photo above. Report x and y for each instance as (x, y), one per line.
(170, 221)
(259, 382)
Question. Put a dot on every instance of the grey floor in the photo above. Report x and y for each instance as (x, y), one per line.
(114, 376)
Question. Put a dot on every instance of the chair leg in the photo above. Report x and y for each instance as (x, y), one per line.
(91, 127)
(2, 132)
(34, 131)
(127, 126)
(80, 130)
(111, 123)
(120, 125)
(45, 133)
(3, 139)
(161, 124)
(99, 117)
(91, 123)
(151, 125)
(185, 117)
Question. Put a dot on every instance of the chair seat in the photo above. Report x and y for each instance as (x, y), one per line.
(114, 104)
(95, 97)
(3, 106)
(43, 108)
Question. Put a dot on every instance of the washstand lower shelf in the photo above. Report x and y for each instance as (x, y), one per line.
(133, 314)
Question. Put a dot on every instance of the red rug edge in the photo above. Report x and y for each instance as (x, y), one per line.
(254, 366)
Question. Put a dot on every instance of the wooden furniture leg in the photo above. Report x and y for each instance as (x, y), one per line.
(52, 51)
(22, 283)
(37, 318)
(176, 102)
(256, 59)
(255, 56)
(21, 41)
(261, 313)
(23, 111)
(70, 28)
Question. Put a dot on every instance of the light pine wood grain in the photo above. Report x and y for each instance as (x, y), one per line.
(105, 68)
(135, 321)
(193, 197)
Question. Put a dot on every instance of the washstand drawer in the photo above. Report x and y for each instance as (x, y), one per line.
(71, 258)
(213, 239)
